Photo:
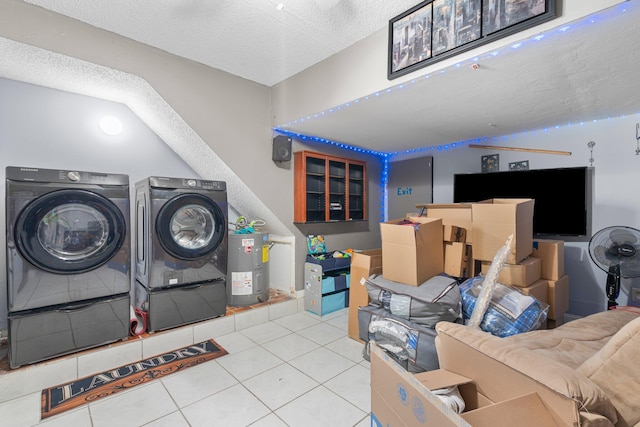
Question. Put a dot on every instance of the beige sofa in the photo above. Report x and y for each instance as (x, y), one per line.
(594, 361)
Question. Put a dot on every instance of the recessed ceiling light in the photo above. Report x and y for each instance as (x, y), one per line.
(111, 125)
(280, 6)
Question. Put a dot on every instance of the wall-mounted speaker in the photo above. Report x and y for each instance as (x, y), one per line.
(281, 149)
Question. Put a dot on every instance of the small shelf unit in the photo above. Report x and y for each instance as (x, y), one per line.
(328, 188)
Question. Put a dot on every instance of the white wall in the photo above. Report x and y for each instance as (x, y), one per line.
(616, 200)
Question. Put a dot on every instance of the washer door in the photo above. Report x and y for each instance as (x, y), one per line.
(70, 231)
(190, 226)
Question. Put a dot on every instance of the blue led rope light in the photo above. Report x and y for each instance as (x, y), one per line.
(592, 19)
(386, 157)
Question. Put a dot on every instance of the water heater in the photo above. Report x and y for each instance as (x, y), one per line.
(248, 269)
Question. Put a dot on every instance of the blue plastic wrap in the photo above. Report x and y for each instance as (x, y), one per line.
(497, 320)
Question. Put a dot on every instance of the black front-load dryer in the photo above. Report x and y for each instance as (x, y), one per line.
(68, 260)
(181, 250)
(181, 231)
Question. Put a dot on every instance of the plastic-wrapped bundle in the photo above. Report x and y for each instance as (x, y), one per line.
(393, 336)
(419, 341)
(510, 312)
(435, 300)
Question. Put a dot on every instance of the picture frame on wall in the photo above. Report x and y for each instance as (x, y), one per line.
(490, 163)
(435, 30)
(455, 23)
(501, 14)
(410, 37)
(522, 165)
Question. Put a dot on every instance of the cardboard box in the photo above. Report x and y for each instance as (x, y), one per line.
(458, 214)
(453, 233)
(521, 274)
(494, 220)
(551, 252)
(363, 265)
(538, 290)
(558, 297)
(412, 254)
(403, 399)
(457, 259)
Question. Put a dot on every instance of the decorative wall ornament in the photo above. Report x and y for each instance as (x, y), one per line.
(491, 163)
(592, 144)
(519, 166)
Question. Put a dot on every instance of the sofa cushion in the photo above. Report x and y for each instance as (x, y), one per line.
(553, 374)
(616, 369)
(575, 342)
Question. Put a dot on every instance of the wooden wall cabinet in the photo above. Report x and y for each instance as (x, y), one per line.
(328, 188)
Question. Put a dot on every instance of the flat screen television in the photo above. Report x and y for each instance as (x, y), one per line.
(563, 197)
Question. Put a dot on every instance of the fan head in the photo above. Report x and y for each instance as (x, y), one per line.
(617, 246)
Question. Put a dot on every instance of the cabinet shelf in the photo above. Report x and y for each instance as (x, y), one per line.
(328, 188)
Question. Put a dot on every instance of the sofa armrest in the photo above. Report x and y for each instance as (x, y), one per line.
(472, 352)
(616, 369)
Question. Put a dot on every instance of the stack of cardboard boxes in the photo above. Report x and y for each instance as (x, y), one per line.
(551, 254)
(470, 235)
(536, 267)
(410, 254)
(461, 240)
(457, 236)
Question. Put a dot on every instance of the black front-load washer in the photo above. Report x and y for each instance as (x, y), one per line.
(68, 261)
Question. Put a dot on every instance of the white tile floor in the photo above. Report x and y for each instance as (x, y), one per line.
(290, 368)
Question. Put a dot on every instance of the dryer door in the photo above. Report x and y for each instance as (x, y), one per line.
(70, 231)
(190, 226)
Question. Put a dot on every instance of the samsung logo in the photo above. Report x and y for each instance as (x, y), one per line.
(28, 170)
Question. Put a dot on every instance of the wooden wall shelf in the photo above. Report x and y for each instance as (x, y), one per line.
(328, 188)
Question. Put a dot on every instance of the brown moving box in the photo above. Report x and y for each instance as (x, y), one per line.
(558, 297)
(494, 220)
(521, 274)
(363, 265)
(412, 254)
(402, 399)
(453, 233)
(458, 214)
(552, 254)
(538, 290)
(457, 259)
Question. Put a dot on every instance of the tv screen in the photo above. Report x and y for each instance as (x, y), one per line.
(563, 197)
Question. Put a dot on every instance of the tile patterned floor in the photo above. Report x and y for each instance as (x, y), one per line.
(285, 367)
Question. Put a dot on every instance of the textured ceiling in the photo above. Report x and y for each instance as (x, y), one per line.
(252, 39)
(584, 70)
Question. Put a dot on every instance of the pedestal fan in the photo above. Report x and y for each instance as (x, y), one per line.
(616, 250)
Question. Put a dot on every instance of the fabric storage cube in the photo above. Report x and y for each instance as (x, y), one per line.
(334, 302)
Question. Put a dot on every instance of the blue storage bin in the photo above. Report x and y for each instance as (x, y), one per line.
(334, 302)
(328, 285)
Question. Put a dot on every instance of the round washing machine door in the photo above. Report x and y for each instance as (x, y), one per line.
(190, 226)
(70, 231)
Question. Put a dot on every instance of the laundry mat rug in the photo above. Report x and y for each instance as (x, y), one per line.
(86, 390)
